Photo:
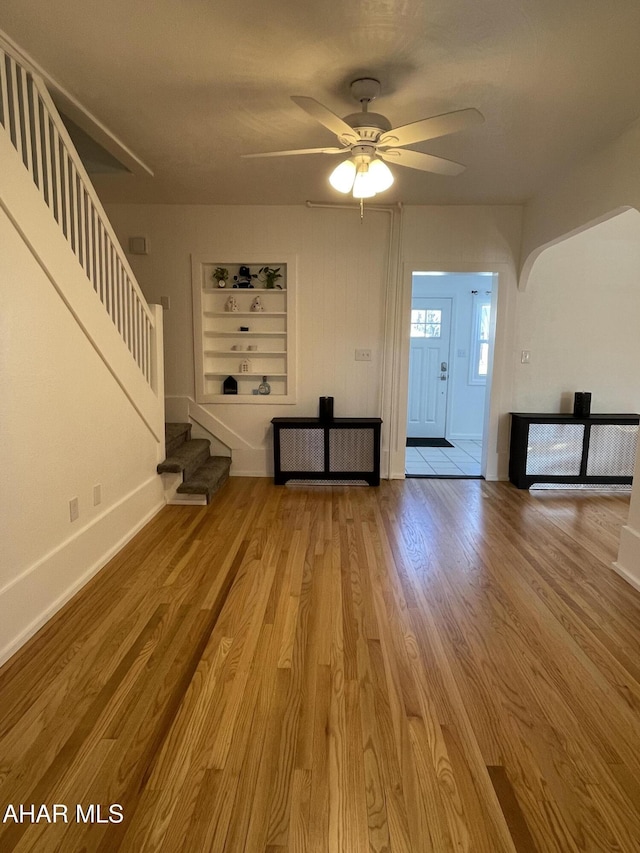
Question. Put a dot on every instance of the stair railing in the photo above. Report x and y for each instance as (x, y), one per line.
(32, 122)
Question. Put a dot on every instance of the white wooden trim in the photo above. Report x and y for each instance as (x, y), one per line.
(198, 262)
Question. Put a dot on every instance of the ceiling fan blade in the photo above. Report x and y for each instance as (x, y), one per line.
(324, 115)
(429, 128)
(299, 151)
(424, 162)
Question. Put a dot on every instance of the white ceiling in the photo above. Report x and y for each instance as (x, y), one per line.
(189, 85)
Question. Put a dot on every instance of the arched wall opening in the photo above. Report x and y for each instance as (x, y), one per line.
(530, 260)
(577, 321)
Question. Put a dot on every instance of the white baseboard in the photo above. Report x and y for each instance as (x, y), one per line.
(628, 562)
(188, 500)
(32, 598)
(630, 579)
(251, 463)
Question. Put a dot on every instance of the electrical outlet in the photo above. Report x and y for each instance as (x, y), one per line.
(363, 355)
(525, 356)
(97, 494)
(74, 509)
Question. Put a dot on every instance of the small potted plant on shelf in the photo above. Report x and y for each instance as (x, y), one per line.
(220, 275)
(270, 275)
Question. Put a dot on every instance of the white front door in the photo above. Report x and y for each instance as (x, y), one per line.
(428, 367)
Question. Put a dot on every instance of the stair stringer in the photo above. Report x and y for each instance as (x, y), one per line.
(248, 460)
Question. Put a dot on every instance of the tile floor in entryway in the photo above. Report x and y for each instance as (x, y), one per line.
(461, 460)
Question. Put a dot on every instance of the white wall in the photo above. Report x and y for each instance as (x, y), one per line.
(347, 296)
(66, 426)
(341, 291)
(579, 318)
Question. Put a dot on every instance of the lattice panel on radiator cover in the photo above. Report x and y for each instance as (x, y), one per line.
(555, 449)
(612, 450)
(302, 450)
(351, 450)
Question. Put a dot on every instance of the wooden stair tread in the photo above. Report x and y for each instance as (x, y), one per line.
(202, 474)
(208, 478)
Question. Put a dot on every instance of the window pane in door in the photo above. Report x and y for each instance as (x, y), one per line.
(426, 324)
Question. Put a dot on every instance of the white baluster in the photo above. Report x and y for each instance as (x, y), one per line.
(4, 92)
(73, 209)
(81, 234)
(46, 153)
(16, 125)
(95, 258)
(127, 308)
(38, 165)
(109, 278)
(26, 118)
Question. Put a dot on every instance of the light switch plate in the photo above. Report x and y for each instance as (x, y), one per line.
(363, 355)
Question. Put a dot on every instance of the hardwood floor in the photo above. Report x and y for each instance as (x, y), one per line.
(428, 666)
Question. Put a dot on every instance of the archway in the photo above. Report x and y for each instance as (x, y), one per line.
(577, 322)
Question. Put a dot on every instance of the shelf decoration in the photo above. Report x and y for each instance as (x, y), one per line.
(230, 386)
(270, 275)
(220, 275)
(231, 359)
(243, 279)
(264, 387)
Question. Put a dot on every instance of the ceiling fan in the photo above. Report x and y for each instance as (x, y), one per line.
(371, 141)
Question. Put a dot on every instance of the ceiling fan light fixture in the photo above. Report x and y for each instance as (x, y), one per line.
(364, 184)
(380, 175)
(343, 176)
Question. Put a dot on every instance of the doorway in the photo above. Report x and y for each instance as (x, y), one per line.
(428, 366)
(451, 338)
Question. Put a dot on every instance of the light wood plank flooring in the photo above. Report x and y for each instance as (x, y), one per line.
(428, 666)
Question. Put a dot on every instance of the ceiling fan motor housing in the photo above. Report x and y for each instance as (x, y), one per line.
(368, 125)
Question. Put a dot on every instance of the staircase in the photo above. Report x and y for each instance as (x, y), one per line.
(202, 474)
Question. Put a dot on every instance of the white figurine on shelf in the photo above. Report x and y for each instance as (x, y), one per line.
(257, 305)
(245, 366)
(231, 304)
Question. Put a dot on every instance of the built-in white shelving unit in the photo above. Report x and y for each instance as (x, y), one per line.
(221, 345)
